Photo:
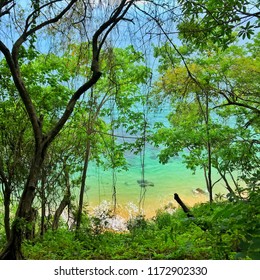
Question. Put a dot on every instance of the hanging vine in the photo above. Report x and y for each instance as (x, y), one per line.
(142, 182)
(114, 177)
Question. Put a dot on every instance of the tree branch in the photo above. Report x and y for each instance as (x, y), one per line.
(30, 32)
(69, 109)
(112, 21)
(15, 71)
(183, 206)
(35, 12)
(7, 10)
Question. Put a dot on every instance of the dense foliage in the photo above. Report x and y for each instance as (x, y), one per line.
(220, 230)
(75, 89)
(214, 118)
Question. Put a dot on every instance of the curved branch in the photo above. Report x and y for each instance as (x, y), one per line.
(8, 9)
(15, 71)
(28, 33)
(69, 109)
(35, 12)
(112, 21)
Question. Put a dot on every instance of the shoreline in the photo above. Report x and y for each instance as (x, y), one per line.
(130, 209)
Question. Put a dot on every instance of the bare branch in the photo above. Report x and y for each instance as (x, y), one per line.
(7, 10)
(37, 11)
(32, 31)
(111, 23)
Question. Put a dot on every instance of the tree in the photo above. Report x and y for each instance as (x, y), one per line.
(212, 133)
(39, 16)
(218, 22)
(110, 104)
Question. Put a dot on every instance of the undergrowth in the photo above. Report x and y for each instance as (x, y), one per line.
(224, 230)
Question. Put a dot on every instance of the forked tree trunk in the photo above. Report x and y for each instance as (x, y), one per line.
(13, 247)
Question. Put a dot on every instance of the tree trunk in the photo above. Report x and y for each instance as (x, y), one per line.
(7, 201)
(12, 251)
(43, 204)
(83, 183)
(64, 203)
(183, 206)
(210, 186)
(7, 191)
(30, 224)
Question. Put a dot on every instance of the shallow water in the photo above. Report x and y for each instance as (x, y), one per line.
(167, 179)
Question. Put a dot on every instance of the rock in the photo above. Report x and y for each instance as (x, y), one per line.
(145, 183)
(198, 191)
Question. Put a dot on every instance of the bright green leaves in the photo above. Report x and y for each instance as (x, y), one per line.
(202, 128)
(232, 232)
(247, 31)
(47, 79)
(215, 21)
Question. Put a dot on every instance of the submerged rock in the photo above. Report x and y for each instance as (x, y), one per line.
(145, 183)
(199, 191)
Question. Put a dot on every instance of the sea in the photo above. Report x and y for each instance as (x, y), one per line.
(147, 188)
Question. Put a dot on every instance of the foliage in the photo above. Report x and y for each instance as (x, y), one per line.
(217, 22)
(221, 230)
(54, 116)
(214, 98)
(109, 105)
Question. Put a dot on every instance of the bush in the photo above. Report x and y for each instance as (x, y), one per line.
(222, 230)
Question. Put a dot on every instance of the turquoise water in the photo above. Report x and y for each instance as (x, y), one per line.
(167, 179)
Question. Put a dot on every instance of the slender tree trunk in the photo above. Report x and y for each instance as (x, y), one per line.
(43, 204)
(209, 175)
(93, 112)
(43, 214)
(7, 201)
(64, 203)
(83, 183)
(210, 187)
(7, 191)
